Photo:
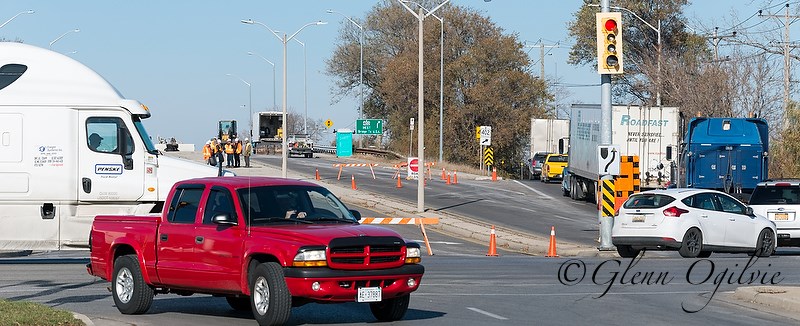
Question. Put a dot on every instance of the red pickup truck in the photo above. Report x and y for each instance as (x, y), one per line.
(265, 244)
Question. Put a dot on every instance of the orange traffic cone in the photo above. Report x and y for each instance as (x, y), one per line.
(448, 179)
(442, 173)
(551, 252)
(399, 184)
(492, 244)
(317, 174)
(494, 174)
(353, 182)
(455, 178)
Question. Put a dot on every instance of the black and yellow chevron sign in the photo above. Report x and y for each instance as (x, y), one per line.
(608, 198)
(488, 156)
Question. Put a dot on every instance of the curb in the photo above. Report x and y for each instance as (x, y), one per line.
(86, 321)
(785, 298)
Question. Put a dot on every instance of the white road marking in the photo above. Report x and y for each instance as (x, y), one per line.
(534, 190)
(487, 313)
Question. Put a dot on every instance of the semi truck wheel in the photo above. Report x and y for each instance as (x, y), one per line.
(270, 297)
(390, 309)
(131, 295)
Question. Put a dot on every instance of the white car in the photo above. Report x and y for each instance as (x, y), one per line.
(779, 201)
(695, 222)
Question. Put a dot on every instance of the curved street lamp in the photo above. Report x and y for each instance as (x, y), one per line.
(273, 76)
(62, 35)
(250, 94)
(15, 16)
(285, 39)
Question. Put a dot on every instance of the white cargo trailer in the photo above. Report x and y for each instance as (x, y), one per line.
(637, 130)
(546, 133)
(72, 147)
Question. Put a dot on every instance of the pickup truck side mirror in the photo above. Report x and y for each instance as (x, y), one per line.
(223, 219)
(356, 214)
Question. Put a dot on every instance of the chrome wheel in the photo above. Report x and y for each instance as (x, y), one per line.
(124, 285)
(261, 295)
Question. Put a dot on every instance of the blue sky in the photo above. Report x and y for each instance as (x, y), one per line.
(174, 55)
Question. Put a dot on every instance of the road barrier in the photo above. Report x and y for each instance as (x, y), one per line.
(341, 166)
(421, 221)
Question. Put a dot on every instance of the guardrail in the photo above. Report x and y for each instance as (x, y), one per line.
(366, 151)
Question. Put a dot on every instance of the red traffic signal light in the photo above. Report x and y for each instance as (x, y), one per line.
(609, 43)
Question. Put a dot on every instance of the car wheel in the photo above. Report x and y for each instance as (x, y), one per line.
(390, 309)
(239, 303)
(765, 244)
(564, 191)
(270, 297)
(626, 251)
(692, 243)
(131, 294)
(704, 254)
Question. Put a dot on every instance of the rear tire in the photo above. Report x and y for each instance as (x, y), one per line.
(765, 245)
(269, 296)
(626, 251)
(132, 295)
(390, 309)
(692, 244)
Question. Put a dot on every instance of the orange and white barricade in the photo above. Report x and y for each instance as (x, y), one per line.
(421, 221)
(344, 165)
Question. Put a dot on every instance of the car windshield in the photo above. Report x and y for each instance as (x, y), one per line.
(292, 204)
(648, 201)
(775, 195)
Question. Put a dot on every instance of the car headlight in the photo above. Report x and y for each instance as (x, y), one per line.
(413, 254)
(310, 258)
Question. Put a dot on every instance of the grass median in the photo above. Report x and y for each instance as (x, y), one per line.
(25, 313)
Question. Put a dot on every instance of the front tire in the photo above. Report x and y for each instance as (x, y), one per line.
(692, 244)
(765, 245)
(390, 309)
(626, 251)
(132, 295)
(269, 296)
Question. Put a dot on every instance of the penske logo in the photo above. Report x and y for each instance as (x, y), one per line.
(108, 168)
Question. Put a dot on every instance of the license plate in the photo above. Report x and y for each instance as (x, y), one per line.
(371, 294)
(781, 216)
(637, 218)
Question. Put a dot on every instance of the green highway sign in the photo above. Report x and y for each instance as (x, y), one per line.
(369, 126)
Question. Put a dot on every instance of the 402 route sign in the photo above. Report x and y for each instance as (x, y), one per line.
(369, 126)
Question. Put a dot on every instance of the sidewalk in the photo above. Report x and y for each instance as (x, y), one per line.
(779, 300)
(450, 224)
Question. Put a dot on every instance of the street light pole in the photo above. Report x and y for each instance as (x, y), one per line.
(62, 35)
(250, 94)
(284, 40)
(15, 16)
(274, 105)
(305, 87)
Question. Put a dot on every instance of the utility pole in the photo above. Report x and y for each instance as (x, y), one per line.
(786, 56)
(541, 47)
(606, 223)
(716, 39)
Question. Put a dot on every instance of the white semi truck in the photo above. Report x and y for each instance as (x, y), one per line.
(72, 147)
(637, 130)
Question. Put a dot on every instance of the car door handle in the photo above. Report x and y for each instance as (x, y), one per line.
(731, 219)
(198, 239)
(164, 237)
(704, 216)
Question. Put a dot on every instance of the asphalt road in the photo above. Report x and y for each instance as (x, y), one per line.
(466, 289)
(527, 206)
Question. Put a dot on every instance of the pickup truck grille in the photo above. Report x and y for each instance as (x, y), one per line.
(366, 253)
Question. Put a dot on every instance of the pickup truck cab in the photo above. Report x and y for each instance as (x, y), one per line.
(265, 244)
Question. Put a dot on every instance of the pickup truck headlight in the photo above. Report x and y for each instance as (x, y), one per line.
(310, 258)
(413, 253)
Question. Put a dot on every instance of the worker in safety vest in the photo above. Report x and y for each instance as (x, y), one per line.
(237, 152)
(207, 152)
(229, 150)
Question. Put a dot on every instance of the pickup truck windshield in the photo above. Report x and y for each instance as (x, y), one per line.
(290, 204)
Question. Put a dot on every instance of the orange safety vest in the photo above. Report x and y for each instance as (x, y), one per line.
(228, 148)
(206, 152)
(238, 148)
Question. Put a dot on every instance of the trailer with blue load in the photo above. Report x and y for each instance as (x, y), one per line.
(726, 154)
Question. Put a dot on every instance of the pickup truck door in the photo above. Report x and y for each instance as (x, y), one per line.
(219, 247)
(176, 238)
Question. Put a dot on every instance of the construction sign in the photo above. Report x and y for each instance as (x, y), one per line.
(608, 198)
(488, 156)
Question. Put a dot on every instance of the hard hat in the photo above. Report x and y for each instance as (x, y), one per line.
(247, 139)
(208, 142)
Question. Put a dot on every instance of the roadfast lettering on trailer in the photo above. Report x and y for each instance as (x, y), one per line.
(643, 137)
(108, 169)
(627, 121)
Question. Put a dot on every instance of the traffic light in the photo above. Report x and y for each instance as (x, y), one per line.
(609, 43)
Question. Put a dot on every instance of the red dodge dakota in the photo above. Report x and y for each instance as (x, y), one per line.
(265, 244)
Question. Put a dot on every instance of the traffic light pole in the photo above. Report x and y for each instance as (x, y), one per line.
(606, 223)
